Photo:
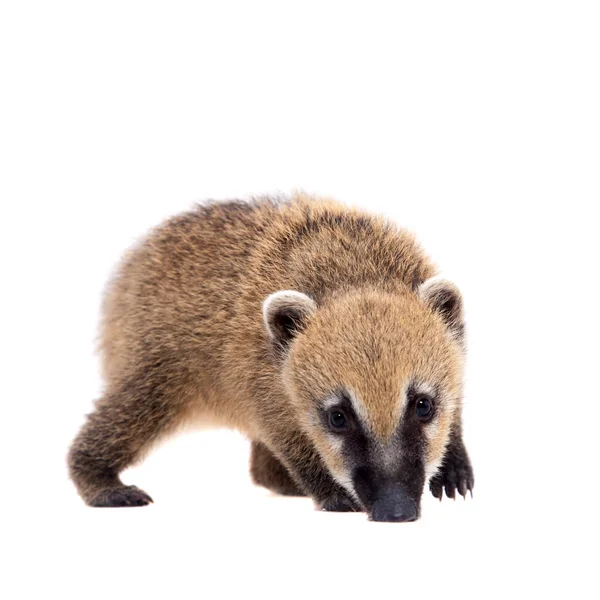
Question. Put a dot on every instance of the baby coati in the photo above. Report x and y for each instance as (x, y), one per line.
(318, 331)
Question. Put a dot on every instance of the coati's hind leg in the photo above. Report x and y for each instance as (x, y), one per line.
(124, 424)
(267, 471)
(456, 472)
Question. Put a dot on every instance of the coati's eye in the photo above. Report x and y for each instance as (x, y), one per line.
(424, 407)
(337, 420)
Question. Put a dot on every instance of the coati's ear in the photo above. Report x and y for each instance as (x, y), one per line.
(286, 313)
(444, 297)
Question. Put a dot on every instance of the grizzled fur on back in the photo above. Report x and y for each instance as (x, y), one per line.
(189, 295)
(182, 338)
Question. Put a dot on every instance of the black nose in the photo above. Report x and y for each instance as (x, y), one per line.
(396, 510)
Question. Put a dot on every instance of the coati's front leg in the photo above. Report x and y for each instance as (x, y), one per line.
(267, 471)
(456, 472)
(124, 424)
(300, 469)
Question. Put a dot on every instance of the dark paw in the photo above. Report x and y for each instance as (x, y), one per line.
(454, 474)
(340, 504)
(128, 495)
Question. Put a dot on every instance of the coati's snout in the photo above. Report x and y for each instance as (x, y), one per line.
(388, 500)
(394, 505)
(385, 476)
(395, 509)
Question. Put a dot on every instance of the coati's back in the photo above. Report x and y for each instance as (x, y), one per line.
(322, 246)
(196, 283)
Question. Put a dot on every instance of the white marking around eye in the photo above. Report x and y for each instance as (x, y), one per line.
(341, 476)
(335, 442)
(357, 404)
(423, 387)
(419, 388)
(430, 428)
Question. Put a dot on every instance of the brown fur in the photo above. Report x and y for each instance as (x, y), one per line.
(267, 471)
(183, 339)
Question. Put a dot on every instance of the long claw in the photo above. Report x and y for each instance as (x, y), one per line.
(437, 490)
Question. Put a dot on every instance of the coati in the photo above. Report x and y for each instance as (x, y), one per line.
(318, 331)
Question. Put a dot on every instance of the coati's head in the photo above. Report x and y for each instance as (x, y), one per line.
(375, 378)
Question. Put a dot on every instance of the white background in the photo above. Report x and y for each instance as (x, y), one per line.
(474, 124)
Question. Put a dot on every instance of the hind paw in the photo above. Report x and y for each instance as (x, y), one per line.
(128, 495)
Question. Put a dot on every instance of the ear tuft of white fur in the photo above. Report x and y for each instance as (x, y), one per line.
(445, 298)
(285, 313)
(436, 284)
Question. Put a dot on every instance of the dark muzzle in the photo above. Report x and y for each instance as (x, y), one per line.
(393, 504)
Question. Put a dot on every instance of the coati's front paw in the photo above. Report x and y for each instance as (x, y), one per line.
(340, 503)
(455, 473)
(127, 495)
